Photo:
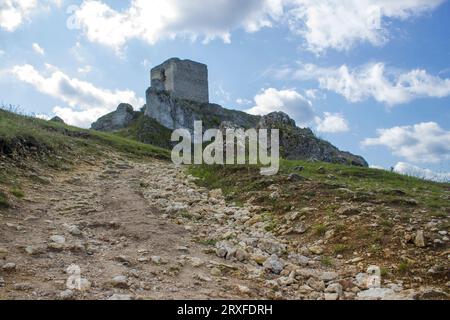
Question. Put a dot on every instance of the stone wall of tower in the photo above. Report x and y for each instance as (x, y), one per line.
(184, 79)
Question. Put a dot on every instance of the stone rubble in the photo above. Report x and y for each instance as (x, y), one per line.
(227, 251)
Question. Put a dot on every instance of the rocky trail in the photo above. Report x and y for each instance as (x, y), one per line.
(123, 229)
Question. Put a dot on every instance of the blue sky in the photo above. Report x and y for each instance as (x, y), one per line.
(371, 76)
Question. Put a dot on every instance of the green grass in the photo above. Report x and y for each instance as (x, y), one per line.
(45, 138)
(327, 261)
(27, 141)
(320, 229)
(3, 201)
(147, 130)
(404, 267)
(340, 248)
(365, 185)
(208, 242)
(17, 192)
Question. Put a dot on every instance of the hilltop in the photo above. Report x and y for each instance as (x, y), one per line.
(140, 227)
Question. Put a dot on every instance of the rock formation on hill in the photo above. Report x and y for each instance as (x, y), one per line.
(301, 143)
(116, 120)
(178, 96)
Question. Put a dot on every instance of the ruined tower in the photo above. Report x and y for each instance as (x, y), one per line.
(184, 79)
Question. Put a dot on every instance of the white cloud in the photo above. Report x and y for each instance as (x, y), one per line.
(411, 170)
(377, 167)
(82, 119)
(83, 97)
(288, 101)
(243, 102)
(156, 20)
(341, 24)
(373, 80)
(332, 123)
(13, 13)
(42, 116)
(85, 69)
(323, 24)
(425, 142)
(38, 49)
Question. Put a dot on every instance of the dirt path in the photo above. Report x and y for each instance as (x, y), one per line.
(110, 230)
(144, 230)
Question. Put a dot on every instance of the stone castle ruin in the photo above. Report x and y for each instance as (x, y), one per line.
(184, 79)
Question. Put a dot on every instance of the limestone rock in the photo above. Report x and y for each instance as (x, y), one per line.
(57, 119)
(274, 264)
(116, 120)
(120, 281)
(348, 210)
(419, 240)
(121, 297)
(66, 294)
(301, 143)
(9, 267)
(58, 239)
(23, 286)
(3, 252)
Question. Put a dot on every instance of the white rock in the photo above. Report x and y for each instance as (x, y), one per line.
(66, 294)
(335, 288)
(274, 264)
(74, 230)
(120, 282)
(58, 239)
(243, 289)
(316, 284)
(381, 294)
(8, 267)
(329, 276)
(419, 241)
(121, 297)
(156, 259)
(331, 296)
(316, 250)
(3, 252)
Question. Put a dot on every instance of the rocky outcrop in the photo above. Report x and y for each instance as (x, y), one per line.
(175, 113)
(116, 120)
(57, 119)
(301, 143)
(165, 112)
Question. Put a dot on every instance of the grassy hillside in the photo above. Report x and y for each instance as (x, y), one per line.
(352, 211)
(147, 130)
(30, 148)
(22, 133)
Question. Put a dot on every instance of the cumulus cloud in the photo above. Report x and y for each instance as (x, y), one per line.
(372, 80)
(425, 142)
(411, 170)
(14, 13)
(332, 123)
(85, 69)
(85, 100)
(83, 118)
(341, 24)
(288, 101)
(38, 49)
(42, 116)
(156, 20)
(322, 24)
